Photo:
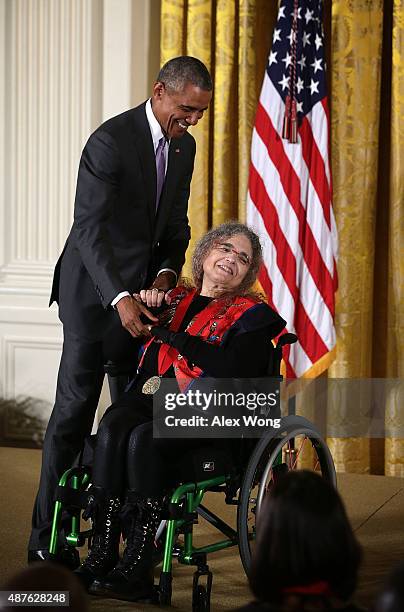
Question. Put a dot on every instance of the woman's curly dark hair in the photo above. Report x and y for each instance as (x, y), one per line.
(218, 234)
(303, 536)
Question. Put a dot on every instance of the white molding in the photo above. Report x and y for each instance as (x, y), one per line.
(65, 65)
(29, 316)
(117, 65)
(52, 104)
(26, 278)
(29, 389)
(14, 289)
(10, 344)
(2, 124)
(145, 48)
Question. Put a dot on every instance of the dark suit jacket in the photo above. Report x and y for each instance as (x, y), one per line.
(117, 242)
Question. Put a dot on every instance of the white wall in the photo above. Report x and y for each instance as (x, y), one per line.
(65, 66)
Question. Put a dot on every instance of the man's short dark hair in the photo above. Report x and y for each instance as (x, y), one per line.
(303, 536)
(179, 71)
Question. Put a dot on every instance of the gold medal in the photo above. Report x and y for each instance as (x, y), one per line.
(151, 385)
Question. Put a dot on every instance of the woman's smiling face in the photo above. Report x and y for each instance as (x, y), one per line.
(227, 263)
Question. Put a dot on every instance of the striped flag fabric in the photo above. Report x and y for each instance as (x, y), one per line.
(289, 201)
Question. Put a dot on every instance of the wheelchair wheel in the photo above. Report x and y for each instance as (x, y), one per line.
(296, 445)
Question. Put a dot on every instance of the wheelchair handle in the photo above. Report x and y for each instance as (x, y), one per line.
(275, 364)
(286, 339)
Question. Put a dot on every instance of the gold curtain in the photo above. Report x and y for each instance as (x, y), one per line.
(367, 98)
(356, 64)
(232, 39)
(394, 455)
(366, 66)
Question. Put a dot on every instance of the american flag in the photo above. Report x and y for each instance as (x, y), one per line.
(289, 191)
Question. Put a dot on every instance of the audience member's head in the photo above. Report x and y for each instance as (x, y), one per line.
(391, 599)
(49, 577)
(305, 545)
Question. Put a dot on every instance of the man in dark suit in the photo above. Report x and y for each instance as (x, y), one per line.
(130, 232)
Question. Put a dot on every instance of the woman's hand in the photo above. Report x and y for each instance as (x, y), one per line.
(153, 298)
(161, 333)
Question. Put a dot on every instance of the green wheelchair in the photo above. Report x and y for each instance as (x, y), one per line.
(296, 444)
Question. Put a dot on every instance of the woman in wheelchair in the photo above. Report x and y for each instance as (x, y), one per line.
(217, 328)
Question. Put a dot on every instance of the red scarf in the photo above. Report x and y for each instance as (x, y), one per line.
(210, 324)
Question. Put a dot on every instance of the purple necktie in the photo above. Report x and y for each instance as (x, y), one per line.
(160, 167)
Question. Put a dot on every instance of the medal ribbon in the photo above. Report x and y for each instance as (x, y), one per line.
(167, 354)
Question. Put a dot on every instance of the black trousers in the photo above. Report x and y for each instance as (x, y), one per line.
(126, 456)
(80, 378)
(130, 412)
(77, 393)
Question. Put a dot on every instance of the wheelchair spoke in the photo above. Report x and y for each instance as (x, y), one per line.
(289, 451)
(298, 452)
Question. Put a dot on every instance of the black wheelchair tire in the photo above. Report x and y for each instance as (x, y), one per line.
(200, 601)
(270, 445)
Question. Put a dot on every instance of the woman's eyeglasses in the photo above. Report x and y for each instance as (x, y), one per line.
(243, 258)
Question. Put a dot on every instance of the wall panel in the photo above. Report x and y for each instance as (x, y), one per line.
(65, 66)
(51, 78)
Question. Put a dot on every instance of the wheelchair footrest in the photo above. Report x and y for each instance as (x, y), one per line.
(79, 539)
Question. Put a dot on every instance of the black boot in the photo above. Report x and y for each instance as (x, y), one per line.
(103, 510)
(66, 556)
(132, 578)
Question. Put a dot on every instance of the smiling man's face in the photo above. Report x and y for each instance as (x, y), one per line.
(176, 111)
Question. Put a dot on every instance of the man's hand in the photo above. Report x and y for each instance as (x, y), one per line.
(129, 311)
(164, 281)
